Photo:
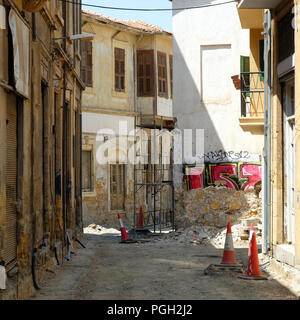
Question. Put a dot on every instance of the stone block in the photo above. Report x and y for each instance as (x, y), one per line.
(246, 223)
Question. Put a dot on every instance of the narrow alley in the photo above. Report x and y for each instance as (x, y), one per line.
(149, 150)
(156, 270)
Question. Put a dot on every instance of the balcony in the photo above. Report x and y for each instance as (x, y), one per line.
(33, 5)
(252, 102)
(258, 4)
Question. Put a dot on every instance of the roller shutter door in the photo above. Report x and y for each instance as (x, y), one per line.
(10, 250)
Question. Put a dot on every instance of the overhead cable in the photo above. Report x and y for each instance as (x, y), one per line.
(148, 9)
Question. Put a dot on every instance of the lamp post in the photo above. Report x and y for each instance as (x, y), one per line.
(82, 36)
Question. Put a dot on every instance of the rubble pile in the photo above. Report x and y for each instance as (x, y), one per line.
(213, 206)
(216, 236)
(96, 229)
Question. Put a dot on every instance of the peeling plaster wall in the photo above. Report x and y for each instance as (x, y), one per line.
(102, 95)
(96, 203)
(104, 108)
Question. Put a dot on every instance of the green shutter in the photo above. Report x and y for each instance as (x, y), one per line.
(245, 67)
(261, 58)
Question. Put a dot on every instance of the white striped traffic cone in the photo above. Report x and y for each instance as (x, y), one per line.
(228, 255)
(228, 259)
(124, 235)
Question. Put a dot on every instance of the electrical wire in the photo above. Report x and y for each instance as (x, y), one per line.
(148, 9)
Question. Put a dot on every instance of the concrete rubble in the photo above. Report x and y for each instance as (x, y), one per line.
(213, 206)
(100, 230)
(197, 234)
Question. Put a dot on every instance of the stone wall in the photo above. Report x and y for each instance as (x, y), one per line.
(214, 206)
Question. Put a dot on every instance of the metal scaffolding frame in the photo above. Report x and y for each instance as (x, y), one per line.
(153, 180)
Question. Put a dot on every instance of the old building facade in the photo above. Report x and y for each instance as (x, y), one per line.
(214, 101)
(282, 214)
(128, 74)
(40, 116)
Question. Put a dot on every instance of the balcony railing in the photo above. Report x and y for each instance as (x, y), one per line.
(252, 94)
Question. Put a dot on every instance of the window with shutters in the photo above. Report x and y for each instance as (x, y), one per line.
(87, 63)
(87, 170)
(76, 25)
(145, 79)
(162, 74)
(171, 74)
(120, 69)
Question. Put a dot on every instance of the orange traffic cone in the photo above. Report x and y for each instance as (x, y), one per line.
(253, 272)
(250, 237)
(124, 235)
(140, 220)
(228, 259)
(228, 254)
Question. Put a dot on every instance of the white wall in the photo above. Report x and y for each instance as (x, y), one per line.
(93, 122)
(207, 46)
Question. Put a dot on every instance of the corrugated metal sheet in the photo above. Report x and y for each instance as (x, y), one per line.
(10, 250)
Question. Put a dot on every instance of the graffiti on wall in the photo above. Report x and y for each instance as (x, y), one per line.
(236, 175)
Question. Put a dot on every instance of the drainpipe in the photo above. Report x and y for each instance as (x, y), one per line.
(267, 132)
(135, 118)
(64, 162)
(135, 70)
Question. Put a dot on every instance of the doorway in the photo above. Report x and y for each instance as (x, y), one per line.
(289, 160)
(117, 186)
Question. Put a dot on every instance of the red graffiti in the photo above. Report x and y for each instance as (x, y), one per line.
(196, 178)
(236, 176)
(224, 172)
(252, 172)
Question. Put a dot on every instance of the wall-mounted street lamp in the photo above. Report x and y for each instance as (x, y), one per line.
(82, 36)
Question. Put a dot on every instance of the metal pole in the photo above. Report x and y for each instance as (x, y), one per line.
(267, 132)
(134, 175)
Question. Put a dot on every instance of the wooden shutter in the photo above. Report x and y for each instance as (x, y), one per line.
(119, 69)
(261, 58)
(162, 74)
(117, 186)
(86, 170)
(286, 36)
(171, 74)
(145, 78)
(245, 79)
(87, 63)
(10, 249)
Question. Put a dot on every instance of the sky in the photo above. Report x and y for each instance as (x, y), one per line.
(160, 19)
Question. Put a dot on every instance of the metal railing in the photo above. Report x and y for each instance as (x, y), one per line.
(252, 94)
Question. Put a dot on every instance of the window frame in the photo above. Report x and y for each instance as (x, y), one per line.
(87, 51)
(121, 73)
(162, 75)
(91, 188)
(142, 54)
(171, 74)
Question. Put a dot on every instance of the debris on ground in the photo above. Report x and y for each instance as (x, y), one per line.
(197, 234)
(213, 269)
(96, 229)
